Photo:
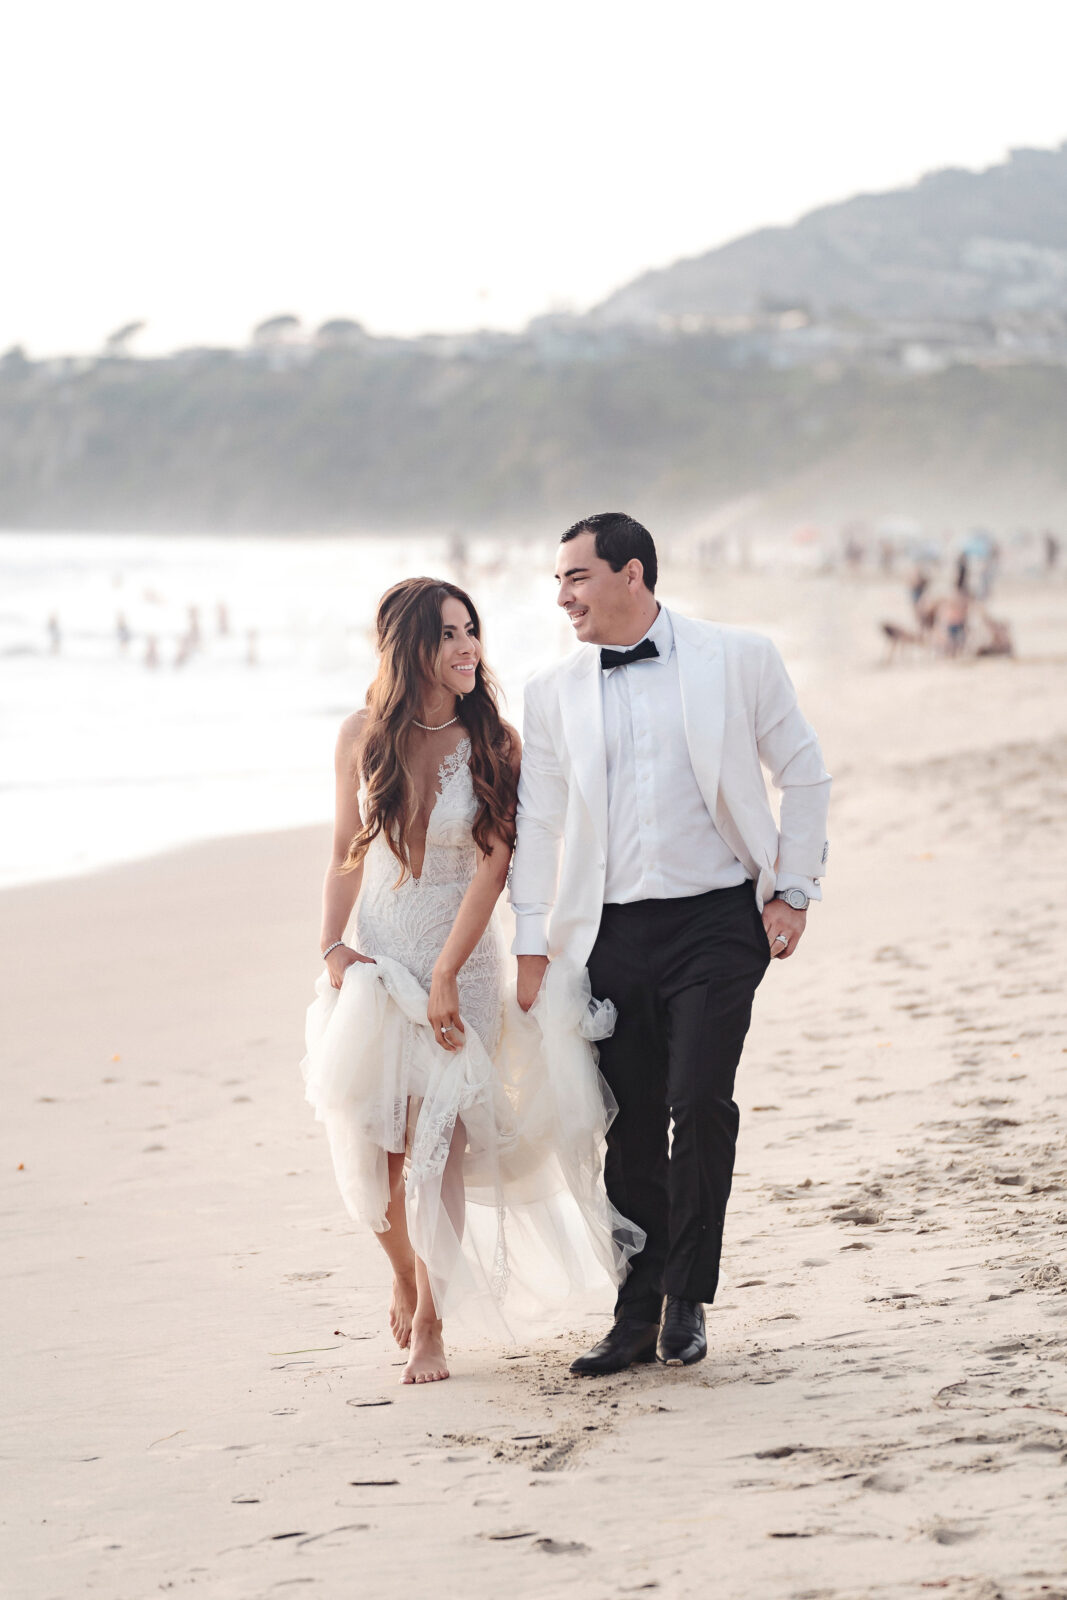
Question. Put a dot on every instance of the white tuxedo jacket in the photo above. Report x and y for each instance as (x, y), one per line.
(741, 715)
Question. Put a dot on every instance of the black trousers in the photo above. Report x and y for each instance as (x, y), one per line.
(682, 974)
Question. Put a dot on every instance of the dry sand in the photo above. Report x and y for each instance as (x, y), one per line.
(202, 1396)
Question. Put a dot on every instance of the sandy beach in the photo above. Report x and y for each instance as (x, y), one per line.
(201, 1393)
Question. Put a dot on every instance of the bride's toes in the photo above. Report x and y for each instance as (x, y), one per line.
(427, 1363)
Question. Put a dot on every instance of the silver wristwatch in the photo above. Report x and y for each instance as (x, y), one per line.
(794, 897)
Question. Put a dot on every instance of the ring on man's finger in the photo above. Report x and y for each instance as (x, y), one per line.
(781, 938)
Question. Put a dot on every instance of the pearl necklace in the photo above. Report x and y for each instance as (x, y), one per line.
(426, 727)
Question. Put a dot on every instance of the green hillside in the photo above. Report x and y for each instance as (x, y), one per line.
(399, 438)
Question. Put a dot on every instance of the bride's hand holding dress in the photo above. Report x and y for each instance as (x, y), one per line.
(442, 1010)
(340, 959)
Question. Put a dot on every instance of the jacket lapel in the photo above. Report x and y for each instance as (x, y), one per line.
(702, 678)
(582, 710)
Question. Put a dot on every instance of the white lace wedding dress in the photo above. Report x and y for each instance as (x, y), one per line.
(533, 1108)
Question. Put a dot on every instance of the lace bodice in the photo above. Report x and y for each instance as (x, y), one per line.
(410, 922)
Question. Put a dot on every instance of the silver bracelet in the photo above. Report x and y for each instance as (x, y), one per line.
(333, 946)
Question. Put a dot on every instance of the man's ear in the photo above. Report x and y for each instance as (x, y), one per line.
(635, 573)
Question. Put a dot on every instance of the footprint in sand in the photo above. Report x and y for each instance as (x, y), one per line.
(885, 1483)
(951, 1533)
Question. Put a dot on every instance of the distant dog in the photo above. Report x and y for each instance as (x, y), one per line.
(899, 639)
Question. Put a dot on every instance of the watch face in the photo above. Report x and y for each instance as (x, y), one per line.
(796, 898)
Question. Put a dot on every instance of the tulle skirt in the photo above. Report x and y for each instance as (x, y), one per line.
(516, 1223)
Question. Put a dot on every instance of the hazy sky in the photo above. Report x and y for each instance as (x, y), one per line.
(423, 164)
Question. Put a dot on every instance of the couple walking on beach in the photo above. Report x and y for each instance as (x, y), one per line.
(651, 887)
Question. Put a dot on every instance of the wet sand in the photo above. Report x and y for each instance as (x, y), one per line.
(202, 1396)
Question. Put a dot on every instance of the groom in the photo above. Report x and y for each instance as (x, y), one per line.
(648, 851)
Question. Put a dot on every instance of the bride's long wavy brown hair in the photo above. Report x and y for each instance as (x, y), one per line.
(409, 628)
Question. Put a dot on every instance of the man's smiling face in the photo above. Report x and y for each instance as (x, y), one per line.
(603, 605)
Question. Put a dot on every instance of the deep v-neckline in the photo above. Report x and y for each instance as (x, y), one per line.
(447, 772)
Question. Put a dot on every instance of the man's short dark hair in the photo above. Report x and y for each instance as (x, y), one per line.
(619, 539)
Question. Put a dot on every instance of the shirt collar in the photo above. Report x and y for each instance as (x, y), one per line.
(661, 633)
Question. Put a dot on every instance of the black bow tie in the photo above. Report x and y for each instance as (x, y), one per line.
(645, 651)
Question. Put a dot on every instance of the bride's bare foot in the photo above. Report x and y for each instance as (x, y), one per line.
(427, 1363)
(402, 1310)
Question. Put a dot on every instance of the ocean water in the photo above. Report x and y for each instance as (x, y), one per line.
(116, 747)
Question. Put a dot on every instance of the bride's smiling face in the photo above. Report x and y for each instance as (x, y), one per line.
(461, 651)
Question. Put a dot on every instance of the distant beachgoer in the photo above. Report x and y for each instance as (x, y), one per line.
(1051, 548)
(458, 555)
(853, 550)
(151, 651)
(998, 637)
(222, 620)
(192, 633)
(55, 634)
(920, 582)
(962, 565)
(987, 573)
(926, 617)
(952, 622)
(122, 632)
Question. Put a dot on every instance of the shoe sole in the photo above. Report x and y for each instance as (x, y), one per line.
(676, 1361)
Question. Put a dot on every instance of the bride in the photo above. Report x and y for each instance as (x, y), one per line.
(471, 1148)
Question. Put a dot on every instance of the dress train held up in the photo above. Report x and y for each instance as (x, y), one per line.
(523, 1091)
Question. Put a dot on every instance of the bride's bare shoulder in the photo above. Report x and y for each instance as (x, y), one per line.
(350, 736)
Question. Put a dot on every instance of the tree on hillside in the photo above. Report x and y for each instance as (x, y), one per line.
(275, 331)
(15, 360)
(118, 343)
(340, 333)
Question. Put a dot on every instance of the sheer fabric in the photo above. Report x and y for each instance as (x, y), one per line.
(523, 1096)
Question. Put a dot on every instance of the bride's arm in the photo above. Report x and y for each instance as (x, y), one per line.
(340, 889)
(472, 919)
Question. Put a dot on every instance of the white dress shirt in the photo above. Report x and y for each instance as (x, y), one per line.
(662, 842)
(664, 783)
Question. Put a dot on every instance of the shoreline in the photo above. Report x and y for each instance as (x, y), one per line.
(180, 847)
(181, 771)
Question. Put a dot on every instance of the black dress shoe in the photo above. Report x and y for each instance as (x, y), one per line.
(682, 1338)
(627, 1342)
